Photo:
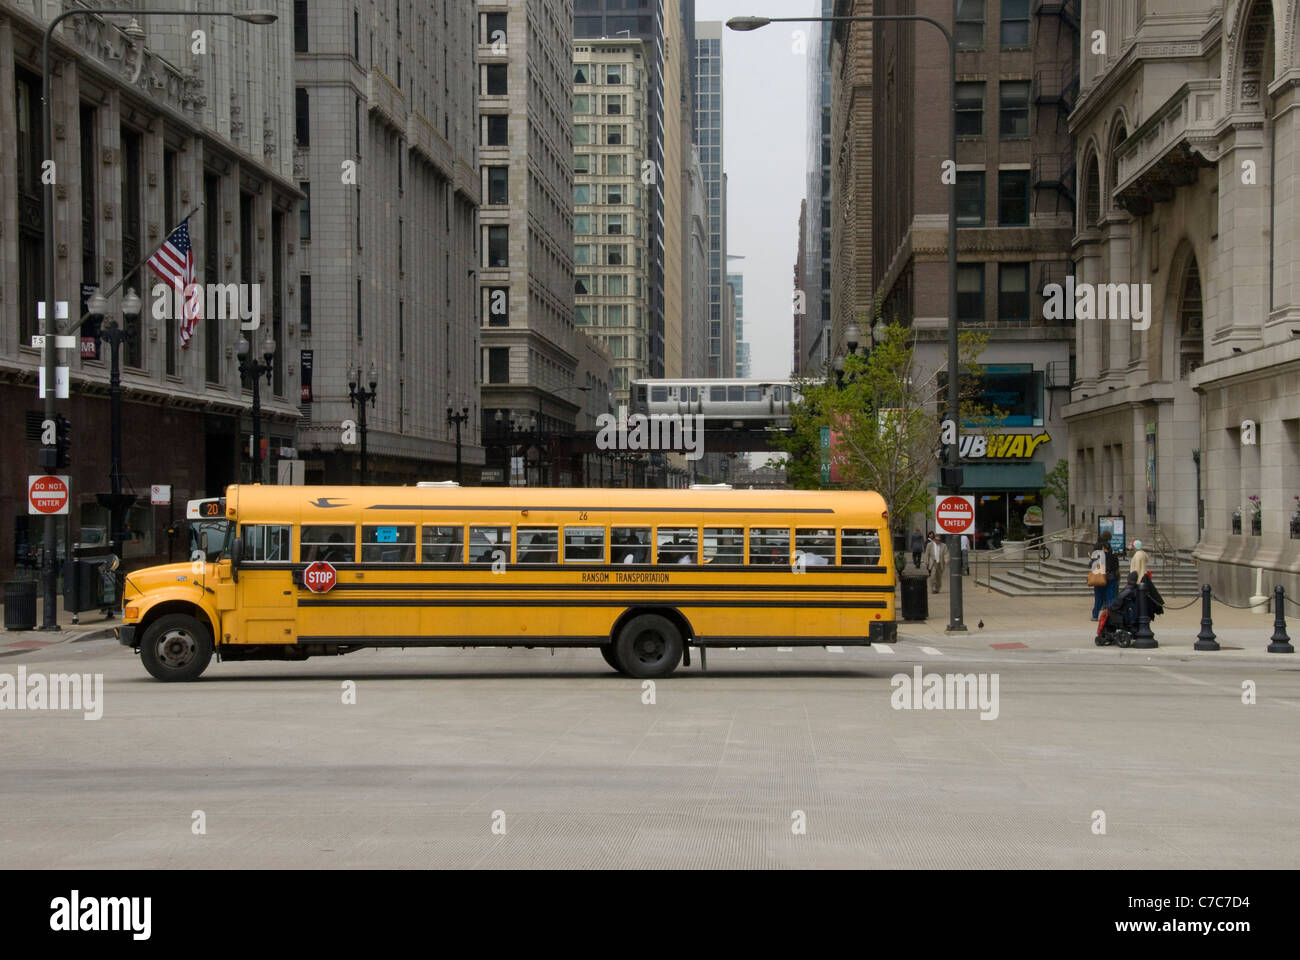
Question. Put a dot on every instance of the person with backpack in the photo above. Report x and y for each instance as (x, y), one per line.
(1097, 578)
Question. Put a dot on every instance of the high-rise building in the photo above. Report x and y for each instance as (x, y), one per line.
(1185, 414)
(644, 21)
(737, 283)
(387, 152)
(611, 222)
(695, 240)
(1016, 69)
(677, 143)
(816, 280)
(526, 280)
(800, 297)
(708, 135)
(148, 131)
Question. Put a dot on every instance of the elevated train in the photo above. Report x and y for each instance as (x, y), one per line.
(717, 399)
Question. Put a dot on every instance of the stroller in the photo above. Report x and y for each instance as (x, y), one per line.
(1118, 621)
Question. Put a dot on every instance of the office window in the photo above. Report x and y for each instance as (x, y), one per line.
(582, 316)
(1015, 23)
(1013, 198)
(302, 117)
(581, 104)
(615, 255)
(494, 84)
(582, 163)
(132, 208)
(614, 135)
(499, 365)
(970, 198)
(970, 292)
(494, 28)
(614, 73)
(581, 224)
(970, 24)
(498, 247)
(1013, 292)
(498, 306)
(582, 254)
(970, 109)
(304, 303)
(304, 212)
(581, 72)
(614, 164)
(498, 185)
(496, 130)
(1014, 114)
(582, 133)
(300, 26)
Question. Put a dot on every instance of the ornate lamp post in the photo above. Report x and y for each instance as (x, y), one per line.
(359, 396)
(458, 419)
(256, 369)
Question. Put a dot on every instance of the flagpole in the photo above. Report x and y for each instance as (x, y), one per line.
(134, 270)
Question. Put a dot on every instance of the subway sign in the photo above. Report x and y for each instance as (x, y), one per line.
(1002, 446)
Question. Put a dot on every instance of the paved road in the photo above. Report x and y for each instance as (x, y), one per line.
(586, 774)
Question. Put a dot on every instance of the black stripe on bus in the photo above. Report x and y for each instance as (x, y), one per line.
(422, 640)
(602, 510)
(423, 602)
(685, 587)
(577, 567)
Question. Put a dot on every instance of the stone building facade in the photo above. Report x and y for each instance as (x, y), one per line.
(387, 137)
(1187, 142)
(152, 120)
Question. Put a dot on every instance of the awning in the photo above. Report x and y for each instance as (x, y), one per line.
(1003, 476)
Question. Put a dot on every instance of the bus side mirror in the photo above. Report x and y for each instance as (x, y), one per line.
(236, 551)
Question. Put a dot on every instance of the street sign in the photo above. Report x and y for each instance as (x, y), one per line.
(954, 514)
(47, 494)
(60, 309)
(60, 342)
(160, 494)
(320, 577)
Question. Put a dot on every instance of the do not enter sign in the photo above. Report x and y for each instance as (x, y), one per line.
(47, 494)
(954, 514)
(320, 577)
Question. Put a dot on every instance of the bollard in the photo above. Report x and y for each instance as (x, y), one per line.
(1281, 642)
(1143, 638)
(1205, 639)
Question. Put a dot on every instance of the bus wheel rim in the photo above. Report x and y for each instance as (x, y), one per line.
(177, 649)
(649, 646)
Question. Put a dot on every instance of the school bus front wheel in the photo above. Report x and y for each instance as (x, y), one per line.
(176, 648)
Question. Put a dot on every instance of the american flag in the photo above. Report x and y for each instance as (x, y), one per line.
(174, 262)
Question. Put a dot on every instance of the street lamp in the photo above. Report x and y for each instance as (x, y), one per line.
(115, 333)
(255, 369)
(358, 396)
(458, 419)
(259, 17)
(853, 336)
(541, 476)
(952, 477)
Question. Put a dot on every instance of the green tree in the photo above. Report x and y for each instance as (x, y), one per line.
(1056, 484)
(885, 413)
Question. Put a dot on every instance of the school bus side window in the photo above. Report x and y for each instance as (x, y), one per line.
(538, 544)
(443, 544)
(770, 545)
(630, 544)
(584, 544)
(859, 547)
(724, 545)
(816, 547)
(334, 543)
(488, 544)
(677, 545)
(388, 543)
(266, 542)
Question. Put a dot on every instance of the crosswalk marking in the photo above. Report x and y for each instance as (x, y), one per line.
(931, 651)
(785, 649)
(882, 648)
(834, 649)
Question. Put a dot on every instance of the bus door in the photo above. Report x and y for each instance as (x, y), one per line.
(319, 615)
(264, 596)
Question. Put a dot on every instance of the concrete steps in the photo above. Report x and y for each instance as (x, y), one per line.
(1068, 577)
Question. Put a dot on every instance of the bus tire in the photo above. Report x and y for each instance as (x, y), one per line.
(648, 646)
(607, 652)
(176, 648)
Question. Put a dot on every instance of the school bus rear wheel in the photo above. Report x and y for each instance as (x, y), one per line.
(648, 646)
(607, 652)
(176, 648)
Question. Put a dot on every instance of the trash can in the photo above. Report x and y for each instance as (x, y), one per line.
(916, 600)
(20, 605)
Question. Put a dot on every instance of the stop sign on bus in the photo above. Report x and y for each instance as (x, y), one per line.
(320, 576)
(954, 514)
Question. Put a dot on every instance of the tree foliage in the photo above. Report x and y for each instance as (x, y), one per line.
(1056, 484)
(884, 414)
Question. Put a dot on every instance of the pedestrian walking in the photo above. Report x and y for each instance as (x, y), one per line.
(1138, 563)
(1097, 578)
(916, 543)
(1112, 573)
(936, 560)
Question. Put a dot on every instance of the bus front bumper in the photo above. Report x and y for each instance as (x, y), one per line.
(126, 635)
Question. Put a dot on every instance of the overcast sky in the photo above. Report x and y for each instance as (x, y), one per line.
(765, 123)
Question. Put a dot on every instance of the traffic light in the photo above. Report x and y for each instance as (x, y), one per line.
(62, 442)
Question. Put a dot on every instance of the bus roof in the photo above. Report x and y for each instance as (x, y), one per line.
(322, 501)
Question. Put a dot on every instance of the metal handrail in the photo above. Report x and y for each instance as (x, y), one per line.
(1034, 546)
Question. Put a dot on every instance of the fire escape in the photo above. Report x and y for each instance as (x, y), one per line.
(1056, 89)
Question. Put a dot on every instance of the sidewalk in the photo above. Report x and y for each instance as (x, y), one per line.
(1062, 623)
(92, 626)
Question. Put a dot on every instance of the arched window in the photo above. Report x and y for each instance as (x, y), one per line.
(1091, 193)
(1191, 340)
(1117, 141)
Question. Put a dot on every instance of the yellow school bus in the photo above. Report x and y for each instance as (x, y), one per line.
(286, 573)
